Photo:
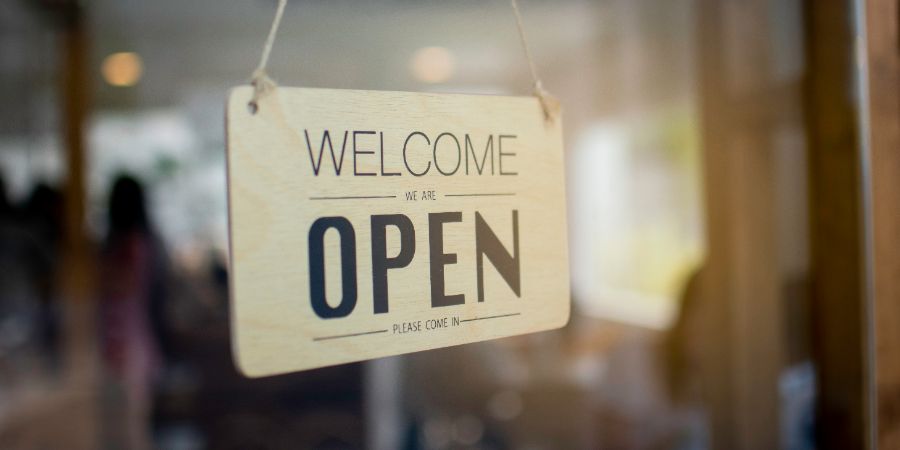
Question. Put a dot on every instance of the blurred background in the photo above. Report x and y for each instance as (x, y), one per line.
(716, 190)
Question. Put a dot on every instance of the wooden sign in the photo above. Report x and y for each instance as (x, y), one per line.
(365, 224)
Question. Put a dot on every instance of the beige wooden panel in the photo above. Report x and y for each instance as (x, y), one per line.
(275, 197)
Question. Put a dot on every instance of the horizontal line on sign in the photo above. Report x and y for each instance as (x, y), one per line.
(339, 336)
(486, 194)
(353, 197)
(490, 317)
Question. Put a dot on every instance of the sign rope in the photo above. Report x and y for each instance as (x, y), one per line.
(548, 103)
(263, 84)
(260, 79)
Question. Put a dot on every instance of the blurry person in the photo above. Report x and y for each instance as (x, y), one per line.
(42, 217)
(133, 282)
(29, 241)
(18, 252)
(680, 354)
(684, 355)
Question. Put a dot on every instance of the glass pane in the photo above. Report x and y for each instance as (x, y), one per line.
(691, 193)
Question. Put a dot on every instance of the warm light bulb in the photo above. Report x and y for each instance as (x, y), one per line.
(122, 69)
(432, 64)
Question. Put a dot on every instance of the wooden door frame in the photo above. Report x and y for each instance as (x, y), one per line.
(836, 207)
(880, 111)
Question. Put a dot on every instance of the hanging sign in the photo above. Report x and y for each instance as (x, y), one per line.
(365, 224)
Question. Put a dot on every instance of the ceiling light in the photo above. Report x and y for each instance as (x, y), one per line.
(122, 69)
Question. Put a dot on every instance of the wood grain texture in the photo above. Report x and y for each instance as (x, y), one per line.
(883, 107)
(275, 196)
(741, 300)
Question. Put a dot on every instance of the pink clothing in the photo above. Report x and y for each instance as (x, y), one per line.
(130, 348)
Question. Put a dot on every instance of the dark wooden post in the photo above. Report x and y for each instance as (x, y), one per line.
(77, 266)
(836, 244)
